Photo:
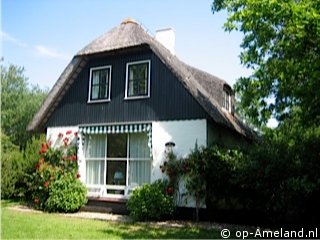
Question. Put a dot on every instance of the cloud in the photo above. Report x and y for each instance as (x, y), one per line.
(6, 37)
(50, 53)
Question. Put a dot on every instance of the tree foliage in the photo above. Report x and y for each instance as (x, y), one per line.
(282, 45)
(19, 102)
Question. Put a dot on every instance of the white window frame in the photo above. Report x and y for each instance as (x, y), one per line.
(127, 79)
(109, 85)
(102, 189)
(226, 93)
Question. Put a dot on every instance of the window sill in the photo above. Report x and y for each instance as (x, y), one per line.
(226, 110)
(99, 101)
(136, 97)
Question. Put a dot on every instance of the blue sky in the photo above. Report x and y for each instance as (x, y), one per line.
(44, 35)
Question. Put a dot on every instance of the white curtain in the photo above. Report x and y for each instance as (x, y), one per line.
(95, 147)
(95, 85)
(139, 159)
(95, 172)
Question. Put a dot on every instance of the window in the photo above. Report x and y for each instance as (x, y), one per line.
(118, 162)
(138, 80)
(100, 81)
(95, 159)
(226, 100)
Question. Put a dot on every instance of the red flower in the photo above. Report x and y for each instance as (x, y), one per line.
(74, 157)
(37, 166)
(44, 148)
(78, 175)
(36, 200)
(60, 135)
(75, 134)
(169, 190)
(65, 141)
(68, 132)
(46, 184)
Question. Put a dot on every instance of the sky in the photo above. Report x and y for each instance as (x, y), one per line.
(43, 35)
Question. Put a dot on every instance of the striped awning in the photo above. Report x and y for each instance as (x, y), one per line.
(109, 129)
(121, 128)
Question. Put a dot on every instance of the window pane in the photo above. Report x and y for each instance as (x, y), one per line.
(94, 172)
(143, 87)
(95, 146)
(226, 100)
(139, 146)
(131, 88)
(95, 77)
(139, 172)
(116, 172)
(102, 92)
(95, 92)
(117, 146)
(140, 165)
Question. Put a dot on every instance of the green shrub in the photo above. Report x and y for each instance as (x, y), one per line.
(11, 173)
(151, 202)
(12, 166)
(67, 194)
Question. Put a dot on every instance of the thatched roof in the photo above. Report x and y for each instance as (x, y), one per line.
(204, 87)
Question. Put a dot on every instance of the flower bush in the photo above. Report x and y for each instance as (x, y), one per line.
(174, 169)
(57, 168)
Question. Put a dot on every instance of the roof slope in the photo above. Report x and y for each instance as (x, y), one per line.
(204, 87)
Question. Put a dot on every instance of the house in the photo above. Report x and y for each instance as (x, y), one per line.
(128, 95)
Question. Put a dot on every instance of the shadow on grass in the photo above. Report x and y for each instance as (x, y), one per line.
(11, 202)
(145, 231)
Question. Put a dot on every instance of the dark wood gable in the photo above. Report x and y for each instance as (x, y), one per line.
(169, 100)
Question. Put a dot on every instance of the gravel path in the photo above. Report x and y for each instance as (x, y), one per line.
(127, 219)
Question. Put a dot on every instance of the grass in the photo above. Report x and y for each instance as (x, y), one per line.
(35, 225)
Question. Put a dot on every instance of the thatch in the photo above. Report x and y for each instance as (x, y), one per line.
(204, 87)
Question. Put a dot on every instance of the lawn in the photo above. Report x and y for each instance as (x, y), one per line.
(34, 225)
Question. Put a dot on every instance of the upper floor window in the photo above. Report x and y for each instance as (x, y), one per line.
(138, 80)
(100, 84)
(226, 100)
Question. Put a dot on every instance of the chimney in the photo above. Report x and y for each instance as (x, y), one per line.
(166, 37)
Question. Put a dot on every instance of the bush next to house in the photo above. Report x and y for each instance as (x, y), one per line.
(11, 168)
(16, 164)
(66, 194)
(55, 184)
(151, 202)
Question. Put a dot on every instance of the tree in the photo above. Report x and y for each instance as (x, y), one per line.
(281, 45)
(18, 104)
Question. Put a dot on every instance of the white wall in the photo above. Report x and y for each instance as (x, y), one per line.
(184, 134)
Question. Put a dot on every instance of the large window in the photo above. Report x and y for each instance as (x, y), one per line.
(100, 81)
(138, 80)
(118, 162)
